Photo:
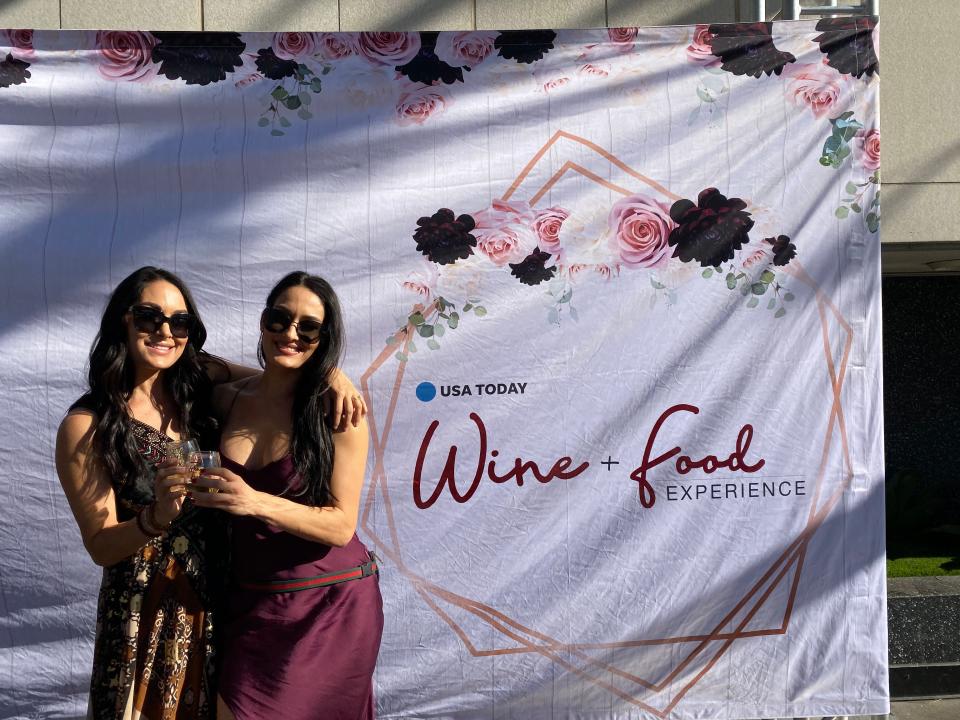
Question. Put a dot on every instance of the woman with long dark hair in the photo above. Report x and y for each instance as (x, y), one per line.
(304, 611)
(163, 558)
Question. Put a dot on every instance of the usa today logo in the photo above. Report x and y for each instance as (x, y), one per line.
(427, 391)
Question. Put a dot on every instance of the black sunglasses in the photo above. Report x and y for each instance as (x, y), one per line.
(147, 319)
(277, 320)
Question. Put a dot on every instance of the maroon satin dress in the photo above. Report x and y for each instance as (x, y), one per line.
(301, 655)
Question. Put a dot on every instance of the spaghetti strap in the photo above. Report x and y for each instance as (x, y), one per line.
(236, 394)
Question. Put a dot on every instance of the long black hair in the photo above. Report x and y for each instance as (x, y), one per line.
(111, 377)
(312, 442)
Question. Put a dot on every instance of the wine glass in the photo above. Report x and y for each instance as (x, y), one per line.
(206, 459)
(183, 452)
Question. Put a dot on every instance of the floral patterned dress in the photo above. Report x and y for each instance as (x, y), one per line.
(154, 654)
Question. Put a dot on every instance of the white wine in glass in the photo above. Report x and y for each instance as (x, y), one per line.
(184, 452)
(206, 459)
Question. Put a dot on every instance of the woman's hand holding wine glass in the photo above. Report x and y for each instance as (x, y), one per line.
(172, 478)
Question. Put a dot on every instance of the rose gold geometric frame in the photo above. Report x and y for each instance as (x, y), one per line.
(529, 640)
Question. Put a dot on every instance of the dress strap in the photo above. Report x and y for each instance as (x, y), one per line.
(236, 394)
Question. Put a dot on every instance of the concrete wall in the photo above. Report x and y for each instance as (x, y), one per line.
(361, 14)
(919, 110)
(921, 105)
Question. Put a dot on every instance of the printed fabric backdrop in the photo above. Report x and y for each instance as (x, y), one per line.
(612, 298)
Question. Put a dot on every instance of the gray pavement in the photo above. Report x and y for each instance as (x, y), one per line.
(936, 709)
(939, 709)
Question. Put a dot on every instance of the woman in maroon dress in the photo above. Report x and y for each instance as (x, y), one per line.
(305, 614)
(163, 561)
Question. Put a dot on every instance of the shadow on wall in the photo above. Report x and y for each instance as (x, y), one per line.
(848, 542)
(428, 14)
(66, 190)
(682, 13)
(68, 251)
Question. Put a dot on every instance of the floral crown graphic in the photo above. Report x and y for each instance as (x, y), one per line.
(712, 235)
(653, 232)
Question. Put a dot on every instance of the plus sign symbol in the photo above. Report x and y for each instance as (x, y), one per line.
(609, 462)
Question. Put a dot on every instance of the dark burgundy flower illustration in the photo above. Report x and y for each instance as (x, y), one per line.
(445, 239)
(197, 58)
(532, 269)
(272, 67)
(524, 46)
(710, 231)
(783, 250)
(13, 71)
(848, 44)
(748, 49)
(427, 68)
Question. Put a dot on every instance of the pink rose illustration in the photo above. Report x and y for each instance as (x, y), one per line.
(336, 46)
(125, 55)
(20, 42)
(464, 49)
(699, 50)
(507, 244)
(867, 148)
(817, 86)
(547, 226)
(505, 231)
(639, 228)
(416, 104)
(294, 45)
(389, 48)
(623, 38)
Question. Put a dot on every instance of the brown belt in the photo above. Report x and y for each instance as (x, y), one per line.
(317, 581)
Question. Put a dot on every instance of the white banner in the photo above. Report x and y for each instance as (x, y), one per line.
(612, 297)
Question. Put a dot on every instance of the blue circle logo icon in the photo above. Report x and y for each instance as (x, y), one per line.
(426, 391)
